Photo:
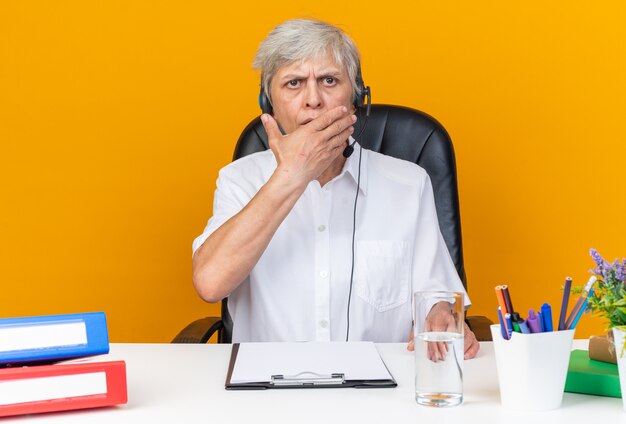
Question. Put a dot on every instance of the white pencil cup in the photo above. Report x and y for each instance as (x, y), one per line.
(532, 368)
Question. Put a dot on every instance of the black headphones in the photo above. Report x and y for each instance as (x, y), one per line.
(264, 101)
(359, 101)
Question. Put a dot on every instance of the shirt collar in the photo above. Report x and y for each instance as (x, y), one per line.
(351, 166)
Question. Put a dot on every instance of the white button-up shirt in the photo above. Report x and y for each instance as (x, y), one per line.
(299, 289)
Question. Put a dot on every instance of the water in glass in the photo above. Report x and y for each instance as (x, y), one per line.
(439, 382)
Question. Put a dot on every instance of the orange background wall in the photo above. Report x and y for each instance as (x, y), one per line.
(116, 116)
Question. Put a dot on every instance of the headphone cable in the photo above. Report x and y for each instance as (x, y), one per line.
(356, 198)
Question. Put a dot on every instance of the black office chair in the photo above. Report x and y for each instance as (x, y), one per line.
(395, 131)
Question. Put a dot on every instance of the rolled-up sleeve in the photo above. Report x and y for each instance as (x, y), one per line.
(229, 198)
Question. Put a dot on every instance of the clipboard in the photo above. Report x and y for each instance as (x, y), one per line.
(258, 366)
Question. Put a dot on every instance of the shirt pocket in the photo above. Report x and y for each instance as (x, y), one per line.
(383, 273)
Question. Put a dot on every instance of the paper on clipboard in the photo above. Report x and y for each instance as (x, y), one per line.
(258, 362)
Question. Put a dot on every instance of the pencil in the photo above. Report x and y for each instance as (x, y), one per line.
(580, 312)
(579, 302)
(566, 290)
(507, 299)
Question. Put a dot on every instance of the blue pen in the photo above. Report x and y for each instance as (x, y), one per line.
(509, 324)
(524, 327)
(580, 312)
(502, 327)
(546, 316)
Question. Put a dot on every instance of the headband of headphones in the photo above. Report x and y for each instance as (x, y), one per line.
(359, 101)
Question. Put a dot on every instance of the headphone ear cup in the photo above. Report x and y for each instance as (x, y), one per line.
(359, 100)
(264, 102)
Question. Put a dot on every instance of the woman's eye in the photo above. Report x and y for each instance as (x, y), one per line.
(293, 83)
(329, 80)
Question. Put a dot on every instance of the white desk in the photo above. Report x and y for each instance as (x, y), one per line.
(185, 384)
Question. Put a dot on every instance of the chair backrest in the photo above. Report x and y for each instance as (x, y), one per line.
(403, 133)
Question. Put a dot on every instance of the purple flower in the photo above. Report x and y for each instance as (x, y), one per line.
(609, 272)
(597, 258)
(620, 274)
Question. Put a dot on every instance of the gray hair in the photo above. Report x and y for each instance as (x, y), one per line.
(301, 39)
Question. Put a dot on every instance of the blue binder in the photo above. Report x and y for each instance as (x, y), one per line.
(30, 340)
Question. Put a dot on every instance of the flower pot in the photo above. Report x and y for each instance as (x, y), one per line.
(619, 334)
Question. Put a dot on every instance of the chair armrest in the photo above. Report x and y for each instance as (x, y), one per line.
(480, 326)
(199, 331)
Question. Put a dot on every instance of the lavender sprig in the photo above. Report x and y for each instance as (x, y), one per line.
(609, 299)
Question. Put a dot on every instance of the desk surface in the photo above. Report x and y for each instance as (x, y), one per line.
(185, 384)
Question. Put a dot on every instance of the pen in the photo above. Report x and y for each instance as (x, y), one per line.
(507, 319)
(541, 323)
(580, 312)
(517, 322)
(566, 290)
(533, 322)
(546, 316)
(524, 327)
(502, 306)
(579, 302)
(502, 326)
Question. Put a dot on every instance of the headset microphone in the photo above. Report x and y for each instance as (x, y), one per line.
(350, 147)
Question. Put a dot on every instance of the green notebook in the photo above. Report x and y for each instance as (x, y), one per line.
(587, 376)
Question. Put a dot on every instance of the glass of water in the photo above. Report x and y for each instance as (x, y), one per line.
(438, 332)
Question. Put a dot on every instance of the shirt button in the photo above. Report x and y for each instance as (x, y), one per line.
(324, 274)
(321, 228)
(323, 323)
